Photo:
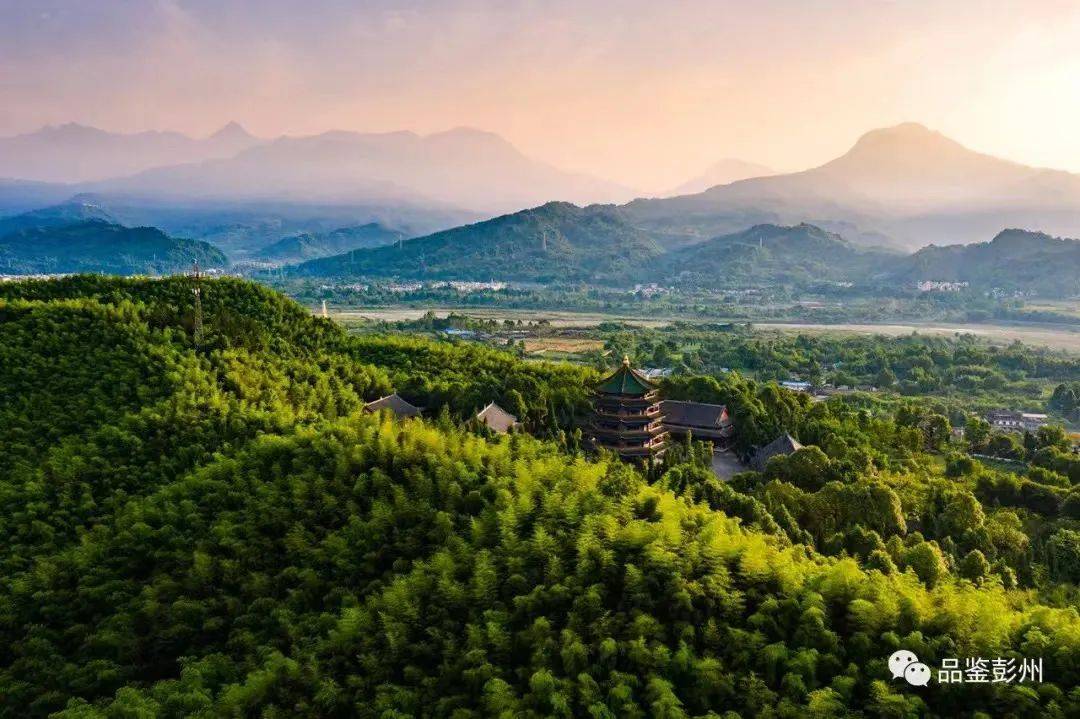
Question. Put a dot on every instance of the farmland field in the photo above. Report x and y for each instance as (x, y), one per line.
(1064, 337)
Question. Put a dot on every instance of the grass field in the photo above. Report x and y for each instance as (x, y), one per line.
(567, 345)
(1065, 307)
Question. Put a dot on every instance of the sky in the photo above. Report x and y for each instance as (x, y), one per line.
(644, 92)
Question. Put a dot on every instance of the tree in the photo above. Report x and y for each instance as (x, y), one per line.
(807, 468)
(926, 560)
(1005, 446)
(1063, 551)
(936, 429)
(885, 379)
(977, 433)
(962, 514)
(974, 565)
(1052, 435)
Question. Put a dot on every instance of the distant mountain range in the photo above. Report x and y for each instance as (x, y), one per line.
(554, 243)
(460, 168)
(306, 245)
(243, 228)
(559, 242)
(285, 200)
(722, 172)
(74, 153)
(907, 186)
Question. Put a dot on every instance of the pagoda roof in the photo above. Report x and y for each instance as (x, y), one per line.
(626, 380)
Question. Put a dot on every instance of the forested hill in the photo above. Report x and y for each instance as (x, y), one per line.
(1013, 260)
(560, 242)
(307, 246)
(101, 246)
(798, 255)
(206, 525)
(555, 242)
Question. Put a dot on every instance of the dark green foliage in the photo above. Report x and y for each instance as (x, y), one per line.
(218, 530)
(801, 255)
(1014, 259)
(1066, 400)
(1063, 550)
(99, 246)
(369, 568)
(555, 242)
(466, 377)
(963, 368)
(306, 245)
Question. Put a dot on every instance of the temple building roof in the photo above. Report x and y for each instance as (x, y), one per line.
(497, 419)
(694, 414)
(394, 403)
(785, 444)
(626, 381)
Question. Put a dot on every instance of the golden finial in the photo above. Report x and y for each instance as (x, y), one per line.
(626, 360)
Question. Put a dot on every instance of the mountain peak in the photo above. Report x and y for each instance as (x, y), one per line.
(907, 136)
(466, 131)
(472, 139)
(232, 131)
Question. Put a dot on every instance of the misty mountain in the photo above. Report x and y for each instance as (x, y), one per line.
(723, 172)
(555, 242)
(906, 183)
(67, 213)
(558, 242)
(1013, 260)
(458, 168)
(100, 246)
(74, 153)
(241, 228)
(307, 246)
(769, 254)
(23, 195)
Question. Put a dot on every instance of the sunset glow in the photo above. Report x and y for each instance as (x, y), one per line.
(642, 93)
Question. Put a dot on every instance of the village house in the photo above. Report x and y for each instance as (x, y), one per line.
(1009, 421)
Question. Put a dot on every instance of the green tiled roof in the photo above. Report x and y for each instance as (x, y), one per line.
(626, 381)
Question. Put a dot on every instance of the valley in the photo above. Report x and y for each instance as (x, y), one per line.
(1062, 337)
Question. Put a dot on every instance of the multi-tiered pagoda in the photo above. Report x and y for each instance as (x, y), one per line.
(626, 415)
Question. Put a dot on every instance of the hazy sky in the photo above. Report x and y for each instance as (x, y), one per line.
(646, 92)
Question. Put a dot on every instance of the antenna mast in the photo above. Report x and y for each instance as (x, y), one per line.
(197, 290)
